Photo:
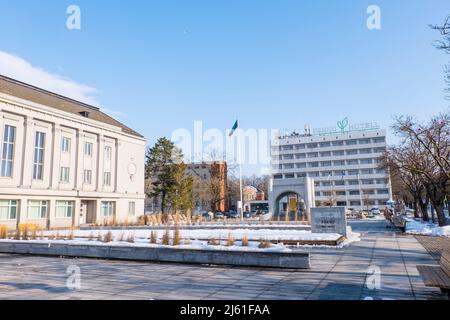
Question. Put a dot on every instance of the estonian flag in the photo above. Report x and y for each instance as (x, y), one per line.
(235, 126)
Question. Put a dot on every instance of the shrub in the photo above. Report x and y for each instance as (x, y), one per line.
(245, 240)
(108, 237)
(3, 232)
(130, 238)
(230, 240)
(213, 242)
(166, 236)
(264, 244)
(176, 235)
(71, 234)
(153, 237)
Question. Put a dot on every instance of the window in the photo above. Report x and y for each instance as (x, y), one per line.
(87, 177)
(339, 183)
(337, 143)
(354, 192)
(366, 171)
(88, 147)
(131, 208)
(64, 209)
(353, 172)
(364, 141)
(325, 144)
(107, 208)
(341, 203)
(383, 191)
(352, 162)
(351, 152)
(107, 178)
(326, 164)
(351, 142)
(365, 151)
(65, 144)
(313, 164)
(8, 150)
(108, 153)
(64, 174)
(338, 153)
(353, 182)
(339, 163)
(289, 176)
(8, 209)
(325, 154)
(340, 193)
(365, 161)
(38, 166)
(37, 209)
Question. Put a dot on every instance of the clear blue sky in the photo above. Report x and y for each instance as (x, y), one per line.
(275, 64)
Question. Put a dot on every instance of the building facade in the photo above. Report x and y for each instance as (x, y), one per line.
(344, 165)
(65, 163)
(211, 175)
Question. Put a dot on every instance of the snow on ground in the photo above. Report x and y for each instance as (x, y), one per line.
(427, 229)
(238, 234)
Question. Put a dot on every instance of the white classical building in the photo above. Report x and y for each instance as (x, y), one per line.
(342, 163)
(65, 163)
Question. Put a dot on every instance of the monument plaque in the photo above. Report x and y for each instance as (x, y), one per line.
(329, 220)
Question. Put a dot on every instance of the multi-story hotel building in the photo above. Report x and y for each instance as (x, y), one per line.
(344, 164)
(65, 163)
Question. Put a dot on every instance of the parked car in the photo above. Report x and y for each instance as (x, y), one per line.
(232, 214)
(207, 215)
(247, 214)
(375, 211)
(219, 215)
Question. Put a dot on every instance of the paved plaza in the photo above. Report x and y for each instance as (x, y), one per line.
(335, 274)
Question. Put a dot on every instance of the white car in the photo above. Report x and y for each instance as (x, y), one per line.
(375, 211)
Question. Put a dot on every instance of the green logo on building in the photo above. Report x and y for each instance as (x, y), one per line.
(342, 125)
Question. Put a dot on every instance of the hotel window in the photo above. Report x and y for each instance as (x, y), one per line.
(107, 178)
(325, 144)
(8, 151)
(64, 209)
(64, 174)
(108, 153)
(354, 192)
(351, 142)
(379, 140)
(351, 152)
(339, 163)
(338, 153)
(366, 171)
(87, 177)
(365, 151)
(131, 208)
(352, 162)
(88, 147)
(364, 141)
(339, 183)
(65, 144)
(325, 154)
(337, 143)
(8, 209)
(38, 165)
(353, 172)
(340, 193)
(37, 209)
(365, 161)
(383, 191)
(107, 208)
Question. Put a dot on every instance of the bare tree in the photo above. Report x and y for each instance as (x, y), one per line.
(429, 153)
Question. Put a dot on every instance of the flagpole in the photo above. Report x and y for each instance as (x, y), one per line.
(240, 171)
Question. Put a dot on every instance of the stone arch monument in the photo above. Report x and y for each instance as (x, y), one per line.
(280, 188)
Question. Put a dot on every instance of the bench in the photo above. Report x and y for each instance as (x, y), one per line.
(437, 276)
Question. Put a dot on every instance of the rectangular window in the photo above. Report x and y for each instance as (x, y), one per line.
(107, 178)
(37, 209)
(88, 148)
(131, 208)
(65, 144)
(107, 208)
(38, 165)
(87, 176)
(8, 209)
(64, 209)
(64, 174)
(8, 151)
(108, 153)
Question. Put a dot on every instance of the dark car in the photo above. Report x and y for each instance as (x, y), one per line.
(233, 214)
